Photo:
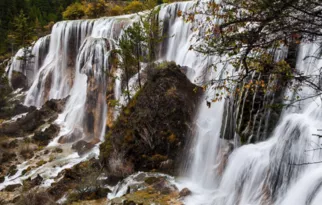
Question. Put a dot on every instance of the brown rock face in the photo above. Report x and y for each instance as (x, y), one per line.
(151, 131)
(33, 120)
(185, 192)
(19, 80)
(44, 137)
(82, 147)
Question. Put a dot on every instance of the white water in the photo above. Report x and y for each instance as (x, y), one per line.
(262, 173)
(75, 64)
(285, 169)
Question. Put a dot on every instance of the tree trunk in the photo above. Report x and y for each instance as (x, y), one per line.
(138, 64)
(127, 84)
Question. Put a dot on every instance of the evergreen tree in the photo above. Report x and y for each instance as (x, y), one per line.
(136, 38)
(22, 35)
(127, 60)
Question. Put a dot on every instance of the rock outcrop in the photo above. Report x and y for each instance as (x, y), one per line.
(19, 80)
(146, 188)
(152, 129)
(33, 119)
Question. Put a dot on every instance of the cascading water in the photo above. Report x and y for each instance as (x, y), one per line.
(76, 64)
(281, 170)
(73, 62)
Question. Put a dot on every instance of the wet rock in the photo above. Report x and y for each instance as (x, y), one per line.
(27, 149)
(12, 170)
(19, 109)
(33, 120)
(126, 202)
(56, 105)
(80, 177)
(185, 192)
(112, 180)
(153, 188)
(44, 137)
(12, 187)
(31, 183)
(25, 171)
(13, 144)
(82, 147)
(164, 186)
(19, 80)
(166, 165)
(7, 156)
(75, 135)
(58, 150)
(2, 178)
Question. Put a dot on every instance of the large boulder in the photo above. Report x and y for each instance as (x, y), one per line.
(152, 129)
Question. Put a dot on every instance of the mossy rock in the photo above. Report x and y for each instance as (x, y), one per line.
(12, 170)
(154, 126)
(41, 162)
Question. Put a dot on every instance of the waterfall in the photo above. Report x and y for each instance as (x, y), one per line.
(285, 169)
(74, 62)
(61, 66)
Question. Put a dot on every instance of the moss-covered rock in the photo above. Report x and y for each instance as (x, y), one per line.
(147, 188)
(152, 128)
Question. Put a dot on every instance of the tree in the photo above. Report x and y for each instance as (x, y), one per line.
(144, 37)
(22, 35)
(127, 60)
(96, 9)
(248, 34)
(136, 39)
(134, 7)
(151, 29)
(74, 11)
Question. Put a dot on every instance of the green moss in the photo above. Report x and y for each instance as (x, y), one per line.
(25, 171)
(58, 150)
(12, 170)
(106, 147)
(41, 162)
(152, 180)
(149, 196)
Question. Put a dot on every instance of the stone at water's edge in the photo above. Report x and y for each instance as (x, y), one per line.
(152, 130)
(146, 188)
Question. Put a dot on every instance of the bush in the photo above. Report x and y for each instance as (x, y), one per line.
(95, 9)
(74, 11)
(134, 7)
(116, 10)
